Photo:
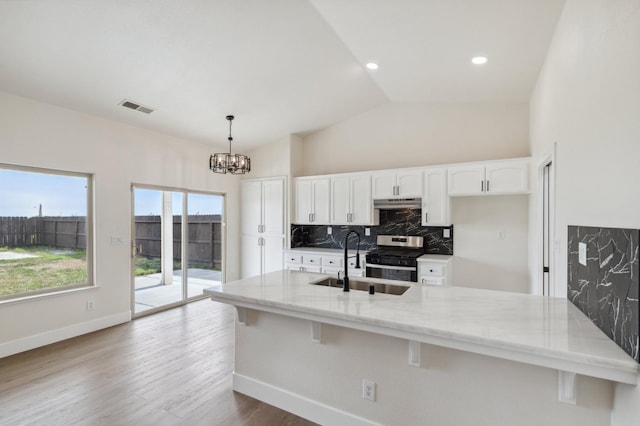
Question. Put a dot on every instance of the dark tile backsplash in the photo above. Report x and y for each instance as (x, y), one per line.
(392, 222)
(607, 288)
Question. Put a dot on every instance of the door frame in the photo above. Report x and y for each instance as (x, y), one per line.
(184, 254)
(538, 288)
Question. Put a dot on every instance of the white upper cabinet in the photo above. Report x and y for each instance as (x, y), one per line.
(435, 198)
(351, 202)
(312, 200)
(397, 184)
(491, 178)
(509, 177)
(466, 180)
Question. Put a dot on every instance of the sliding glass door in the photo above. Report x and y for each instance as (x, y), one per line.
(177, 249)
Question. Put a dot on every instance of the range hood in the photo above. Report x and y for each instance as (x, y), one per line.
(398, 203)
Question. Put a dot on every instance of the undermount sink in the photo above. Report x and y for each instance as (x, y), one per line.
(364, 286)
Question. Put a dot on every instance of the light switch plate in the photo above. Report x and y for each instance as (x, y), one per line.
(329, 230)
(446, 233)
(367, 232)
(582, 254)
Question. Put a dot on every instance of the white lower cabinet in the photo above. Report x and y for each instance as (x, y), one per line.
(434, 270)
(321, 262)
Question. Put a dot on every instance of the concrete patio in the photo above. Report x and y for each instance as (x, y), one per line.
(151, 293)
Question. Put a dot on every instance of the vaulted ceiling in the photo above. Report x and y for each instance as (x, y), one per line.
(281, 66)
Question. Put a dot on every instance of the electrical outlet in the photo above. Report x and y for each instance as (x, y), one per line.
(582, 254)
(502, 235)
(329, 230)
(367, 232)
(368, 389)
(91, 305)
(446, 233)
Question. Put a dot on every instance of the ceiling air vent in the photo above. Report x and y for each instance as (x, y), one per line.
(132, 105)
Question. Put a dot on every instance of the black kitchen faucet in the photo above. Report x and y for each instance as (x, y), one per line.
(345, 281)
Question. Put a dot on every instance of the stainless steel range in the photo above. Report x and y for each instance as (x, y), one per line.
(395, 258)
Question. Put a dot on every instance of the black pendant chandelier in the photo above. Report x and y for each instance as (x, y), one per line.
(224, 163)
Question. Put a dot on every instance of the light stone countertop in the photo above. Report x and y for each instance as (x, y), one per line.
(440, 258)
(538, 330)
(328, 251)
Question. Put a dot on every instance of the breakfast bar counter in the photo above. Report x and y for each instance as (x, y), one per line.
(534, 330)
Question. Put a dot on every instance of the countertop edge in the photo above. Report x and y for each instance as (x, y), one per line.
(594, 366)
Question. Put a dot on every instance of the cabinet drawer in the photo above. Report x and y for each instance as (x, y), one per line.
(293, 258)
(433, 281)
(432, 270)
(332, 261)
(311, 259)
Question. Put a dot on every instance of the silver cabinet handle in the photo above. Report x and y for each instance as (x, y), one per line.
(426, 217)
(482, 186)
(487, 185)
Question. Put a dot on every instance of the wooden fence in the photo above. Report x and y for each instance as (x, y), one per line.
(205, 232)
(205, 243)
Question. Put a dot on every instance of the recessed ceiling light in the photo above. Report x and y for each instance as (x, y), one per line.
(479, 60)
(372, 66)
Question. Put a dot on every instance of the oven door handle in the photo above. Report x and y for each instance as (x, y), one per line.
(395, 268)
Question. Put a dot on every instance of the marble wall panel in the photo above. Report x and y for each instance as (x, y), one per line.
(606, 288)
(392, 222)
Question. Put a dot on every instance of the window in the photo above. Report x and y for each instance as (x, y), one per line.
(45, 231)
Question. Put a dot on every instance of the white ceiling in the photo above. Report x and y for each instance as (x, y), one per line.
(281, 66)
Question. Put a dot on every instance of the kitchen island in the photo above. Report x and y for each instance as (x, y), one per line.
(438, 355)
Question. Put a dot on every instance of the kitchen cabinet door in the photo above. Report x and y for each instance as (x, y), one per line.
(321, 201)
(409, 184)
(351, 202)
(273, 207)
(312, 201)
(384, 185)
(361, 201)
(340, 200)
(251, 256)
(508, 177)
(251, 209)
(272, 254)
(304, 200)
(397, 184)
(435, 198)
(466, 180)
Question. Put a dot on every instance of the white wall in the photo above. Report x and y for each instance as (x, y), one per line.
(41, 135)
(404, 135)
(587, 99)
(482, 260)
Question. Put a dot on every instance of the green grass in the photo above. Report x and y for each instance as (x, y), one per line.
(49, 269)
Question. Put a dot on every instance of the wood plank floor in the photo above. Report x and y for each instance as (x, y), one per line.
(171, 368)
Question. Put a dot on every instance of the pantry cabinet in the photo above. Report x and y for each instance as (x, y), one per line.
(262, 225)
